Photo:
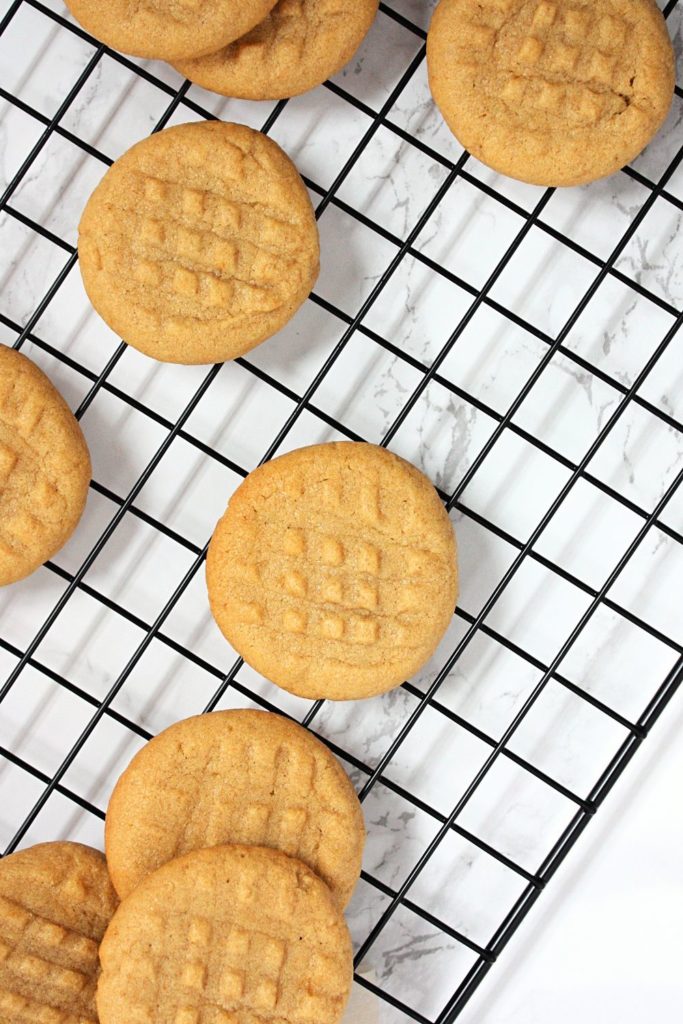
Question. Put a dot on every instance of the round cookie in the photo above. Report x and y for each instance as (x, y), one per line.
(297, 47)
(246, 777)
(333, 571)
(168, 29)
(228, 935)
(44, 468)
(199, 243)
(552, 92)
(56, 901)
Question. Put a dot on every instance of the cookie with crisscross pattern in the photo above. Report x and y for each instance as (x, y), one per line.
(44, 468)
(553, 92)
(333, 571)
(56, 901)
(199, 243)
(229, 935)
(245, 777)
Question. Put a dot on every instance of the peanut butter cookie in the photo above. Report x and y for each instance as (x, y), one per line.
(333, 571)
(552, 92)
(168, 29)
(299, 45)
(44, 468)
(199, 243)
(229, 935)
(246, 777)
(56, 901)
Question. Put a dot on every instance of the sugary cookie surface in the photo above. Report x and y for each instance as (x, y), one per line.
(246, 777)
(44, 468)
(56, 901)
(231, 935)
(199, 243)
(554, 92)
(333, 571)
(298, 46)
(168, 29)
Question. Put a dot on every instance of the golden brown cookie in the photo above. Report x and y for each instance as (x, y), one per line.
(333, 571)
(297, 47)
(199, 243)
(168, 29)
(552, 92)
(44, 468)
(56, 901)
(228, 935)
(246, 777)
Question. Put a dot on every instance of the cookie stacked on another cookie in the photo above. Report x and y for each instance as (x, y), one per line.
(169, 29)
(296, 48)
(235, 840)
(240, 777)
(253, 49)
(228, 935)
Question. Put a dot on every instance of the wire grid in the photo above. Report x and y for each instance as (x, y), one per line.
(425, 697)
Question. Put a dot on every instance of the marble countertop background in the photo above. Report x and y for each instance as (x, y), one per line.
(132, 627)
(604, 943)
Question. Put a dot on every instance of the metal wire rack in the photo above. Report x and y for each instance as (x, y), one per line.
(484, 771)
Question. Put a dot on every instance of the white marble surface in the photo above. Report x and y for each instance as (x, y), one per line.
(615, 659)
(604, 943)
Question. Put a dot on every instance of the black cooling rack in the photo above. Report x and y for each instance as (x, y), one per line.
(473, 625)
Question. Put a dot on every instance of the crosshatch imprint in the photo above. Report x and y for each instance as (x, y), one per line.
(24, 470)
(22, 1010)
(290, 28)
(574, 36)
(338, 573)
(221, 966)
(565, 62)
(37, 954)
(215, 252)
(336, 588)
(279, 800)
